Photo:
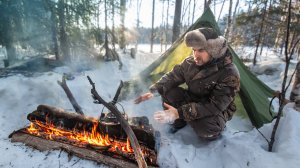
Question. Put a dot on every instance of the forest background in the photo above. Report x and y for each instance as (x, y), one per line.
(85, 30)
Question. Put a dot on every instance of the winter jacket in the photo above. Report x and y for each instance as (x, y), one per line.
(212, 87)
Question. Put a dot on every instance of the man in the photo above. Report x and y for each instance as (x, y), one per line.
(212, 82)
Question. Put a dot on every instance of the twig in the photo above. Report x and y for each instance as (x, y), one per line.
(133, 140)
(70, 96)
(75, 162)
(115, 99)
(263, 135)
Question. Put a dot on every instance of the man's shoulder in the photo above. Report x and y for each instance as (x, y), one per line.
(231, 69)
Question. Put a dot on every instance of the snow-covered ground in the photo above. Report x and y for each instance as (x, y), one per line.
(21, 95)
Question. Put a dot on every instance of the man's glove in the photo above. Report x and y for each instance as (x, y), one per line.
(167, 116)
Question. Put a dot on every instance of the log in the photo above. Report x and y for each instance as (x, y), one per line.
(85, 153)
(72, 120)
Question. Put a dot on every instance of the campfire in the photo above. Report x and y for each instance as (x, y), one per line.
(106, 138)
(82, 139)
(110, 139)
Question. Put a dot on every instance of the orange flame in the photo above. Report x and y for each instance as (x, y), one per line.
(94, 138)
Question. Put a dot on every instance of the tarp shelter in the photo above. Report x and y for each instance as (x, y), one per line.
(254, 96)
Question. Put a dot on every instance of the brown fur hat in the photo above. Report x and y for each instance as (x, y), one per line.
(207, 39)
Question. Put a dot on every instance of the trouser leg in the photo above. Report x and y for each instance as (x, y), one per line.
(208, 128)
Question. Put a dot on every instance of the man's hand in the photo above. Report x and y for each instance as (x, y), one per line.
(143, 97)
(167, 116)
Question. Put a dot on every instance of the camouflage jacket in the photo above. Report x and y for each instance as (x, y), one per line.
(213, 87)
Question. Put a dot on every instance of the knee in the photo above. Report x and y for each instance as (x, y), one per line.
(208, 128)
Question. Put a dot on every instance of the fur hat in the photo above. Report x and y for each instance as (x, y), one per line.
(207, 39)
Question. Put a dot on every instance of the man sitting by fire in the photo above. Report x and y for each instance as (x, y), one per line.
(212, 80)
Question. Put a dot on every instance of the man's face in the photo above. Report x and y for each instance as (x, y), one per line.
(201, 56)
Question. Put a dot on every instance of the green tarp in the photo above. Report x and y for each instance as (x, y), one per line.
(253, 96)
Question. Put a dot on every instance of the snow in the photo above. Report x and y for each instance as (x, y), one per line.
(239, 146)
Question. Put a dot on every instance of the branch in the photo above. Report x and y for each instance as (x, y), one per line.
(70, 96)
(133, 140)
(263, 135)
(117, 93)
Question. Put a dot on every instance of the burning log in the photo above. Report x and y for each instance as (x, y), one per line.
(73, 121)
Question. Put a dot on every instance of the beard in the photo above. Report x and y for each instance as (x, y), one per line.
(199, 61)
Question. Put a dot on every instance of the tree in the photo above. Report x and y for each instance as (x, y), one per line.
(122, 18)
(176, 23)
(50, 6)
(63, 38)
(229, 21)
(138, 9)
(152, 27)
(10, 18)
(284, 88)
(258, 41)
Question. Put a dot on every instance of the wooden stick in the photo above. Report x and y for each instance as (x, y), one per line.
(133, 140)
(70, 96)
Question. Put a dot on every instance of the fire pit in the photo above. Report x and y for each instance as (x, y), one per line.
(86, 137)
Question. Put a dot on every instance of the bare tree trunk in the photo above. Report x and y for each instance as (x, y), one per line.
(64, 43)
(221, 10)
(264, 28)
(280, 34)
(138, 9)
(162, 28)
(9, 37)
(113, 24)
(226, 34)
(194, 11)
(176, 23)
(122, 36)
(232, 28)
(106, 57)
(152, 27)
(54, 32)
(167, 24)
(258, 41)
